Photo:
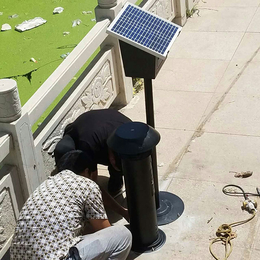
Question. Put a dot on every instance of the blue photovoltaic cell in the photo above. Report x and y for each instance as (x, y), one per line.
(145, 29)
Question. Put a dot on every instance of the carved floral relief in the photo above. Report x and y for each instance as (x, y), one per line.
(100, 89)
(163, 8)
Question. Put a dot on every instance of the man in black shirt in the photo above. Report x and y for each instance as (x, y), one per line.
(89, 133)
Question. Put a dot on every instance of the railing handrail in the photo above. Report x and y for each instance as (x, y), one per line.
(58, 80)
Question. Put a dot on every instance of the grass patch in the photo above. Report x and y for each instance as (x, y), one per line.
(139, 2)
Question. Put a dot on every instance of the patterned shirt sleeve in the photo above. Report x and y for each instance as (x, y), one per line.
(94, 206)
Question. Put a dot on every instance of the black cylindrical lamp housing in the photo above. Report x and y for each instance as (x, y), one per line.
(133, 142)
(141, 201)
(133, 139)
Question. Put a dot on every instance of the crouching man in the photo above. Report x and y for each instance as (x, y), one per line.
(50, 223)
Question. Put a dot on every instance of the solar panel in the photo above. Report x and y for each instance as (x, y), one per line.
(144, 30)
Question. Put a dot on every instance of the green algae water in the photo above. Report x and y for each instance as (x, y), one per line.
(40, 48)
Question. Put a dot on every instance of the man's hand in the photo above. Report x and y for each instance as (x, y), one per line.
(112, 160)
(111, 203)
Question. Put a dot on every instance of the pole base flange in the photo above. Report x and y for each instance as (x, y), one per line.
(158, 243)
(171, 208)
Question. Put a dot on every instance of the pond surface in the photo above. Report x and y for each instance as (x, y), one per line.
(31, 56)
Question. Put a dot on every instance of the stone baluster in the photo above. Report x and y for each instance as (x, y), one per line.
(10, 106)
(23, 153)
(107, 3)
(181, 16)
(108, 9)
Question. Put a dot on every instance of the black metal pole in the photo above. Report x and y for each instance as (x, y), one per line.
(149, 102)
(150, 121)
(169, 207)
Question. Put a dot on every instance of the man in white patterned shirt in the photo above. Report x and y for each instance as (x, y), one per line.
(50, 223)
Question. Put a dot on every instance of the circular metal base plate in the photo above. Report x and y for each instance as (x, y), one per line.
(158, 243)
(171, 208)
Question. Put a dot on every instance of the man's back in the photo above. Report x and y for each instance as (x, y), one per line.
(91, 130)
(51, 219)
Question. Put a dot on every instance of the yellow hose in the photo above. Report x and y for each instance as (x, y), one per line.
(224, 234)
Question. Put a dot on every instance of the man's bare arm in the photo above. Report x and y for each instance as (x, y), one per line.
(98, 224)
(111, 203)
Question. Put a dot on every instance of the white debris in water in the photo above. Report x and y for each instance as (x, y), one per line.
(58, 10)
(76, 22)
(33, 60)
(13, 16)
(87, 12)
(66, 33)
(6, 27)
(65, 55)
(30, 24)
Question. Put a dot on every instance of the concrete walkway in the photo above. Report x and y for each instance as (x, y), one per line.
(207, 110)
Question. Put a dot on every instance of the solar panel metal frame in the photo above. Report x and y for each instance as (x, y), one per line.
(136, 44)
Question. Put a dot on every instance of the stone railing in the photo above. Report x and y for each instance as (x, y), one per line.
(25, 157)
(11, 195)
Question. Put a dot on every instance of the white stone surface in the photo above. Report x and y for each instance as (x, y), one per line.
(211, 77)
(212, 156)
(247, 83)
(248, 47)
(200, 75)
(173, 109)
(220, 19)
(171, 143)
(255, 23)
(230, 3)
(179, 110)
(206, 45)
(236, 115)
(5, 145)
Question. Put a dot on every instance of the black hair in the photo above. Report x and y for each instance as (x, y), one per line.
(76, 161)
(66, 144)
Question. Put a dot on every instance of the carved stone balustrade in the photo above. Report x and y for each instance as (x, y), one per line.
(107, 3)
(10, 106)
